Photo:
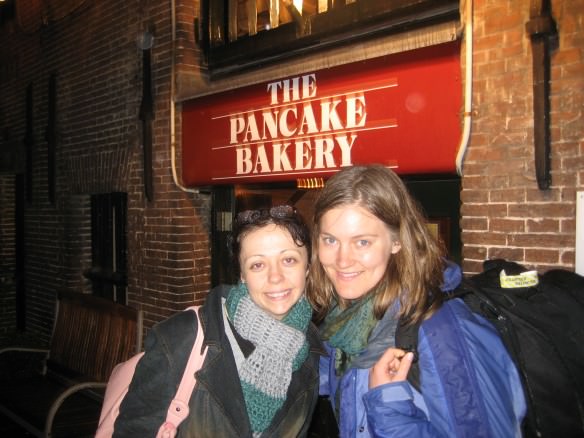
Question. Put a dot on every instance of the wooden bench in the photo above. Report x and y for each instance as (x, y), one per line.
(62, 396)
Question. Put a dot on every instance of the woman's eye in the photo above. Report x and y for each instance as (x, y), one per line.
(363, 243)
(256, 266)
(328, 240)
(289, 261)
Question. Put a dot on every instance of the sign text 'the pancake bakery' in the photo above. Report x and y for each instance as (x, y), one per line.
(297, 131)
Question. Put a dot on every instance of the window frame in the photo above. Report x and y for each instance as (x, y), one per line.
(108, 272)
(350, 23)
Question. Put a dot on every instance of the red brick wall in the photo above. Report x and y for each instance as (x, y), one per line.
(504, 214)
(94, 53)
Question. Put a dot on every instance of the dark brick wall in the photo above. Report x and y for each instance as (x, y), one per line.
(92, 48)
(7, 255)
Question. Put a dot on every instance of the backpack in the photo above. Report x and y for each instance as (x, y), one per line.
(542, 327)
(119, 382)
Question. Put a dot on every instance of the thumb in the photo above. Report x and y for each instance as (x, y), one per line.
(404, 366)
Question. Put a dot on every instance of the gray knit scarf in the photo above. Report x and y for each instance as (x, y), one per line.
(280, 349)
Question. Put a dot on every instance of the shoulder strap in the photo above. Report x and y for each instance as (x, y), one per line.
(179, 406)
(406, 338)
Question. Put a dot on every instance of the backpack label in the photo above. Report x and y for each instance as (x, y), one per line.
(525, 279)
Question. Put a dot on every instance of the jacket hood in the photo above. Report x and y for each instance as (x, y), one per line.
(452, 276)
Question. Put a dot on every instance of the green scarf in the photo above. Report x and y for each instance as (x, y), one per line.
(348, 330)
(280, 349)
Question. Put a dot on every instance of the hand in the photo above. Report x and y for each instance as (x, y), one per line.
(392, 366)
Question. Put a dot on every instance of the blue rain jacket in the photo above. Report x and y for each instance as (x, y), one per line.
(469, 385)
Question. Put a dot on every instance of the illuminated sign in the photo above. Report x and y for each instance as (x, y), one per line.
(400, 110)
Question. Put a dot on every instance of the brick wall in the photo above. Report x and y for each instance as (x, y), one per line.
(504, 214)
(7, 255)
(92, 48)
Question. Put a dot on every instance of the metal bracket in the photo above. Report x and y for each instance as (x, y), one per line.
(541, 29)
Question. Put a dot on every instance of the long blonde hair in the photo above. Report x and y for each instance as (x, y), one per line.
(414, 274)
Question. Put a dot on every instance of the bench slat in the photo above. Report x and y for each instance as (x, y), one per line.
(92, 335)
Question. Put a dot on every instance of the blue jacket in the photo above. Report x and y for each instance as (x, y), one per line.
(469, 384)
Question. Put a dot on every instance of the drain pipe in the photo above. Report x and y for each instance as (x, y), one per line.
(467, 87)
(172, 102)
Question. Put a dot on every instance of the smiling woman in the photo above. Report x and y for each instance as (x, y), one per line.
(273, 258)
(376, 267)
(354, 249)
(260, 375)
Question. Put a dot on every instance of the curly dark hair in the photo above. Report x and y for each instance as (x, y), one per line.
(284, 216)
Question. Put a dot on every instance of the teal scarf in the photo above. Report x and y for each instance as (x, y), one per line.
(280, 349)
(348, 330)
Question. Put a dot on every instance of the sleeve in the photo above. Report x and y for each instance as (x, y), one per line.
(154, 384)
(313, 403)
(391, 412)
(470, 386)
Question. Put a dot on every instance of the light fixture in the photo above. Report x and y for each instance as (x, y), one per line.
(298, 5)
(309, 183)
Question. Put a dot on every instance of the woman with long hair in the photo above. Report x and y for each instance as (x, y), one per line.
(375, 266)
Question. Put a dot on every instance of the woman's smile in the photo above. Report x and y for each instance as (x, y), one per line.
(354, 249)
(274, 268)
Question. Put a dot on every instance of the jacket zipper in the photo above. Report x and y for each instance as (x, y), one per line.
(361, 424)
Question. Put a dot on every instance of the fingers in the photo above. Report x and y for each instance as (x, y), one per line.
(404, 367)
(390, 354)
(393, 365)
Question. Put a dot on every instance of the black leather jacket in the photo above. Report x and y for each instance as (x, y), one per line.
(217, 407)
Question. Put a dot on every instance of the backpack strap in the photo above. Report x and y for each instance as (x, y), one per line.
(406, 338)
(179, 406)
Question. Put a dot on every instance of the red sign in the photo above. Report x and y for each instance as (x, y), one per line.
(400, 110)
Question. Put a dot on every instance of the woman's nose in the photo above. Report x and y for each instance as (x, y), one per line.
(344, 256)
(275, 274)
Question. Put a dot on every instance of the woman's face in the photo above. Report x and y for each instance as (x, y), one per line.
(274, 268)
(354, 248)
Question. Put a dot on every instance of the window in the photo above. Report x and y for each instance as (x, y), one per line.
(6, 12)
(108, 246)
(245, 33)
